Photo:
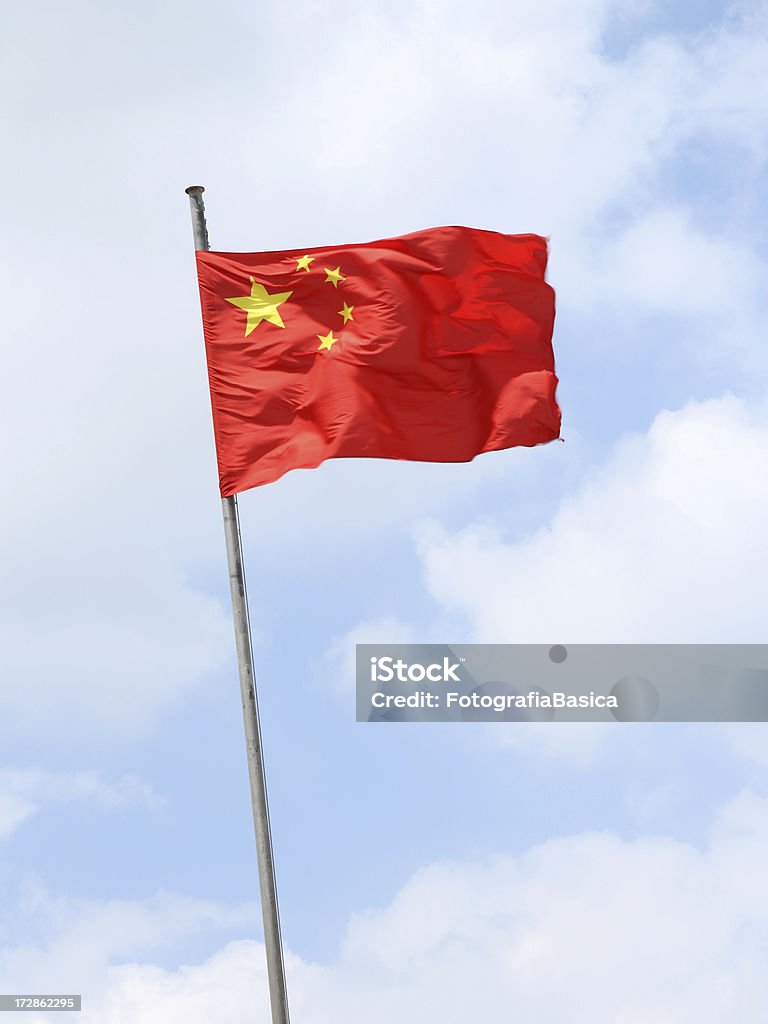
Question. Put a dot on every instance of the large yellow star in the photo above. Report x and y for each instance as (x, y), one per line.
(326, 341)
(261, 305)
(303, 263)
(346, 313)
(334, 276)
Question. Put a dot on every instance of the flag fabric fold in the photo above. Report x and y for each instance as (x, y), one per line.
(435, 346)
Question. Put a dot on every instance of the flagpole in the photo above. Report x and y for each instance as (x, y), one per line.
(278, 996)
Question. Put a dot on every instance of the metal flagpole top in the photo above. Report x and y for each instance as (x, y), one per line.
(197, 209)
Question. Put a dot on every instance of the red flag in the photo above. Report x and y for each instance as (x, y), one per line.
(435, 347)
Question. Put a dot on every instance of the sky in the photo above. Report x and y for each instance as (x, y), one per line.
(483, 871)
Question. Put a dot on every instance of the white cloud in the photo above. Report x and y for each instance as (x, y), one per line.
(664, 263)
(666, 542)
(14, 809)
(24, 792)
(70, 945)
(586, 928)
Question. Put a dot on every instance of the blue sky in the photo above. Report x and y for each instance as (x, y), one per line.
(417, 866)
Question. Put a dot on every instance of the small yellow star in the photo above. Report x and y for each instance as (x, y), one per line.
(261, 305)
(346, 313)
(334, 276)
(327, 341)
(303, 263)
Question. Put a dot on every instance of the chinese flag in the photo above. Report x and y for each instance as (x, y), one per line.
(435, 346)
